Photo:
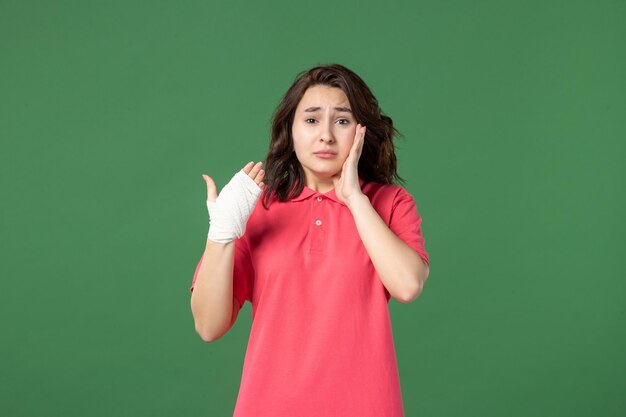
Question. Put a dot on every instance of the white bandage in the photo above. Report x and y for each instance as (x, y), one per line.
(229, 214)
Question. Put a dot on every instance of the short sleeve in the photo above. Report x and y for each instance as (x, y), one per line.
(242, 272)
(406, 222)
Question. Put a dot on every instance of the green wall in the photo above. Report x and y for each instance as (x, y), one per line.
(513, 115)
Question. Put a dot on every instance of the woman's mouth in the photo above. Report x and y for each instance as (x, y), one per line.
(325, 154)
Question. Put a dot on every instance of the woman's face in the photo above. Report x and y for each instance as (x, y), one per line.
(323, 131)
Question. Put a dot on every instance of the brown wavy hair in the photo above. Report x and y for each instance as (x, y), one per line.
(284, 176)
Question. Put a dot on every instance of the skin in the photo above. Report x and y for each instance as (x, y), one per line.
(323, 121)
(253, 170)
(213, 305)
(400, 268)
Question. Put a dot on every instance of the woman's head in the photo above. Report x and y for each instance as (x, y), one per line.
(320, 111)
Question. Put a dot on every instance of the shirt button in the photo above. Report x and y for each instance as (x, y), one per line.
(318, 222)
(319, 198)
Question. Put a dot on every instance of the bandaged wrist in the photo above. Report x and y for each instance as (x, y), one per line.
(229, 214)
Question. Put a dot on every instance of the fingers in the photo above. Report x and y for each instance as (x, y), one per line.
(255, 172)
(357, 144)
(248, 167)
(362, 141)
(360, 138)
(259, 179)
(211, 189)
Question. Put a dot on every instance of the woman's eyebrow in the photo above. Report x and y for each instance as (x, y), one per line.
(339, 109)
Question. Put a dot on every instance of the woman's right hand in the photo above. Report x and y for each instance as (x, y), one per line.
(229, 212)
(253, 170)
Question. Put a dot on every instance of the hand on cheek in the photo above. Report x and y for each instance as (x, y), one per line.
(347, 181)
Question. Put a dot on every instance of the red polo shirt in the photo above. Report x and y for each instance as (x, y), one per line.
(321, 342)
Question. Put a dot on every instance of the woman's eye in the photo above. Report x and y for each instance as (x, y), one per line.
(341, 121)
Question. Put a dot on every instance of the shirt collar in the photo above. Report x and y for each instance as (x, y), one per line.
(309, 192)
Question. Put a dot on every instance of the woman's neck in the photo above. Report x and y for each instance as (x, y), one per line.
(321, 186)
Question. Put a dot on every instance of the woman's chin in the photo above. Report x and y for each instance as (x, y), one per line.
(326, 174)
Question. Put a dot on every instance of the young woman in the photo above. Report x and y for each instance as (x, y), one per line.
(333, 240)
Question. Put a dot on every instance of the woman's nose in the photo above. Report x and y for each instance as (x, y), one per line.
(327, 135)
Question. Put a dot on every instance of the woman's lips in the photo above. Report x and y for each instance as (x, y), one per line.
(325, 154)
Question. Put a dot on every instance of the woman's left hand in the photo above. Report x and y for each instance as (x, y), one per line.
(346, 182)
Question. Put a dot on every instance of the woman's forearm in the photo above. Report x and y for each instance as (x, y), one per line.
(212, 296)
(401, 269)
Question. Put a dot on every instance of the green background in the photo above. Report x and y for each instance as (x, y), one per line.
(513, 115)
